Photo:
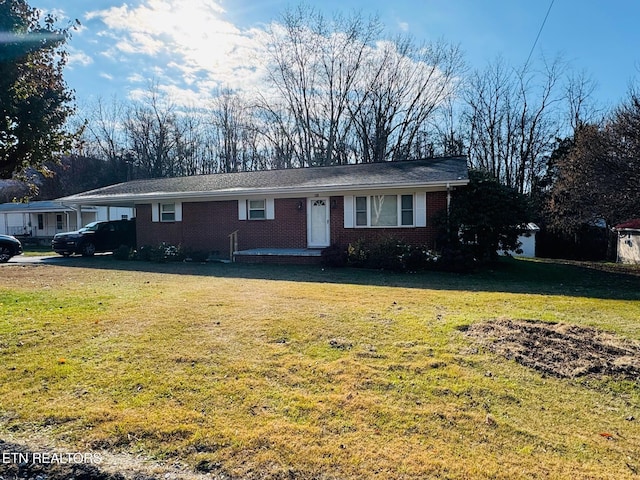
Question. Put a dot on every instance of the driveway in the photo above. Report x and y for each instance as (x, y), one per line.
(52, 260)
(24, 260)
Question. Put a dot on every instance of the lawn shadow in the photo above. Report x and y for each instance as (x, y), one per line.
(542, 277)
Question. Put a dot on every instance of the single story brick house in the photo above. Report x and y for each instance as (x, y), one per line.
(289, 214)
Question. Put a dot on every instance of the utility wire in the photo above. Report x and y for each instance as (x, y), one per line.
(538, 36)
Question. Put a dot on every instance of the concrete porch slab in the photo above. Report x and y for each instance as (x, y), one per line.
(279, 252)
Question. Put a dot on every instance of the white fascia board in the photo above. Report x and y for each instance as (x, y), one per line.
(234, 194)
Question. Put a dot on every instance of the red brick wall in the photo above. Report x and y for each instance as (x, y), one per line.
(206, 226)
(154, 233)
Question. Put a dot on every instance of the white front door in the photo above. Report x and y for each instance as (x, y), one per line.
(318, 222)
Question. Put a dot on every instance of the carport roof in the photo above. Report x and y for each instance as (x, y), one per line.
(35, 207)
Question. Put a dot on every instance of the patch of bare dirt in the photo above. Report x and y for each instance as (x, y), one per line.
(561, 350)
(19, 461)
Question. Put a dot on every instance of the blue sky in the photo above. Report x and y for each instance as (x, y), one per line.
(190, 47)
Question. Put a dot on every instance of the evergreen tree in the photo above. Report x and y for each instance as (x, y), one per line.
(35, 102)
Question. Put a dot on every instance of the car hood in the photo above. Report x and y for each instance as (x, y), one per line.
(74, 234)
(9, 238)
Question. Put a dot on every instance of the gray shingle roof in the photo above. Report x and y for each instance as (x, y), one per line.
(414, 173)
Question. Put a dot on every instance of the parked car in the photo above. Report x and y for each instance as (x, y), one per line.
(9, 247)
(95, 237)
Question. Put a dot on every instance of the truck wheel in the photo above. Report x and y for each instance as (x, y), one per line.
(88, 249)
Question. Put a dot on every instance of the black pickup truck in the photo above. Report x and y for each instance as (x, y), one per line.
(95, 237)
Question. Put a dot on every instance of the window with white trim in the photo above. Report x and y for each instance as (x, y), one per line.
(406, 210)
(361, 212)
(384, 211)
(257, 209)
(167, 212)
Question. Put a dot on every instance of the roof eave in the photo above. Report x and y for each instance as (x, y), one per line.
(271, 192)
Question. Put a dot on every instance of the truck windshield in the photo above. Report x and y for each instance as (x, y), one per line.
(90, 227)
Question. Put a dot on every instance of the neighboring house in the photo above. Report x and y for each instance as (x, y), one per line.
(628, 241)
(43, 219)
(292, 213)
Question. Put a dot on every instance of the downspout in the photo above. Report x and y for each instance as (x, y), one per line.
(448, 211)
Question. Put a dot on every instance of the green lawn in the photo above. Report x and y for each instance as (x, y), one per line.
(300, 372)
(38, 251)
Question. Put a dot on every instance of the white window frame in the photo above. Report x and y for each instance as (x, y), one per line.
(159, 214)
(167, 212)
(259, 212)
(399, 210)
(244, 209)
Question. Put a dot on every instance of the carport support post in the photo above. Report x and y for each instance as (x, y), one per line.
(79, 217)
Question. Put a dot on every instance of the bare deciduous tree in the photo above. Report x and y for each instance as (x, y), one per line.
(234, 134)
(405, 85)
(105, 136)
(151, 128)
(341, 95)
(511, 121)
(313, 67)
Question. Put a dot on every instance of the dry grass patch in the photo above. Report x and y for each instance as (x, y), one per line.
(310, 374)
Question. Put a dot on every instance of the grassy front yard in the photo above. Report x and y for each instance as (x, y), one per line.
(284, 372)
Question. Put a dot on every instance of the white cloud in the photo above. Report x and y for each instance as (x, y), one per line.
(135, 78)
(189, 41)
(107, 76)
(77, 57)
(403, 26)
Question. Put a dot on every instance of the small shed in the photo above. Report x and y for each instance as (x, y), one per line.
(628, 241)
(527, 239)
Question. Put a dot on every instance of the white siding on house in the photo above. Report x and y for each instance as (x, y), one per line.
(111, 213)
